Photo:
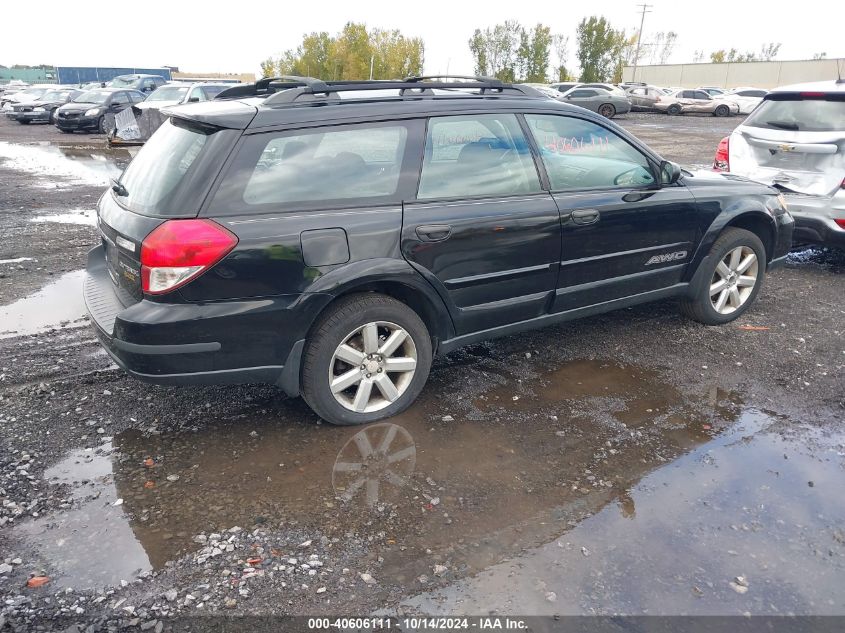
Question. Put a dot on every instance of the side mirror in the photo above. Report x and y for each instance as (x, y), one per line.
(194, 100)
(670, 172)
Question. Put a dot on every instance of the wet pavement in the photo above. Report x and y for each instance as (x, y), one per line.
(633, 462)
(600, 484)
(57, 304)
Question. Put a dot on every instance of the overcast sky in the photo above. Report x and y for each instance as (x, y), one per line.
(236, 36)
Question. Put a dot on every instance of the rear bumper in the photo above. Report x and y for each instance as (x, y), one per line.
(815, 219)
(230, 342)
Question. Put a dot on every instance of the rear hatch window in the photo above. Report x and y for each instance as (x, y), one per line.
(800, 113)
(794, 141)
(171, 174)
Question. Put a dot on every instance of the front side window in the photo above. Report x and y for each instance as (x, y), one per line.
(120, 98)
(579, 154)
(316, 166)
(476, 155)
(700, 94)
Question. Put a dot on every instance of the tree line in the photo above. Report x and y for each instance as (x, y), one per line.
(508, 51)
(354, 53)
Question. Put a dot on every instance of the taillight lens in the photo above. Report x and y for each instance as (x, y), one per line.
(841, 222)
(722, 161)
(180, 250)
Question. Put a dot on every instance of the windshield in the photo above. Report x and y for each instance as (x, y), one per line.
(54, 95)
(168, 93)
(123, 82)
(93, 96)
(30, 93)
(152, 178)
(801, 115)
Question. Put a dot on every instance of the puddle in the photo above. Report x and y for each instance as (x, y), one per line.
(830, 259)
(670, 499)
(87, 217)
(478, 488)
(751, 503)
(17, 260)
(72, 164)
(56, 303)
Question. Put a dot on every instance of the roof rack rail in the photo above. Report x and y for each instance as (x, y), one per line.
(492, 81)
(265, 86)
(290, 88)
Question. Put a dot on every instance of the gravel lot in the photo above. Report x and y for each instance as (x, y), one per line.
(634, 462)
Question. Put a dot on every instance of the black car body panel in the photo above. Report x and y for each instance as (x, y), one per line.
(472, 267)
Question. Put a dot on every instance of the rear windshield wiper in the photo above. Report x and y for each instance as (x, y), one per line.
(118, 188)
(783, 125)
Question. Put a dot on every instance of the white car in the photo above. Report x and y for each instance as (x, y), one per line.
(178, 93)
(746, 98)
(795, 141)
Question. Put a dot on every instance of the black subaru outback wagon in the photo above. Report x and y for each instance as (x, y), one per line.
(332, 237)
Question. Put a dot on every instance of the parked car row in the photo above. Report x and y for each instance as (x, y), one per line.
(610, 99)
(92, 106)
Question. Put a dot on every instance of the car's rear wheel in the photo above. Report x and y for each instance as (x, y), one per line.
(367, 359)
(23, 121)
(728, 279)
(101, 125)
(722, 110)
(64, 131)
(673, 109)
(607, 110)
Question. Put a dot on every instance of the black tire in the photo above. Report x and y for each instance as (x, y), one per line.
(698, 305)
(52, 118)
(722, 110)
(24, 121)
(673, 109)
(607, 110)
(344, 317)
(64, 131)
(101, 125)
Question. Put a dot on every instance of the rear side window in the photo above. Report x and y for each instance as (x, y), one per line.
(801, 114)
(478, 155)
(579, 154)
(315, 167)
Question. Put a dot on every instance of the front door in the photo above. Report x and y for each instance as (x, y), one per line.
(622, 233)
(481, 229)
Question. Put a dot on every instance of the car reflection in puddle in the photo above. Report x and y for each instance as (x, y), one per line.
(514, 472)
(59, 302)
(71, 164)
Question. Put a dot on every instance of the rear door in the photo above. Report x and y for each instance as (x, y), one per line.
(482, 230)
(622, 233)
(795, 141)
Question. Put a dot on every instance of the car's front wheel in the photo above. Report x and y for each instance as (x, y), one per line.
(728, 279)
(722, 110)
(673, 109)
(367, 359)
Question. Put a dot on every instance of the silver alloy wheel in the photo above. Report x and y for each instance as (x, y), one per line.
(372, 367)
(734, 280)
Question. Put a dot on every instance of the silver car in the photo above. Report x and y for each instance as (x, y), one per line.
(795, 141)
(644, 97)
(598, 100)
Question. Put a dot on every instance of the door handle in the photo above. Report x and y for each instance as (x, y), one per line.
(434, 232)
(585, 216)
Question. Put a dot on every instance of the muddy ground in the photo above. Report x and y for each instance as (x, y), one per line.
(634, 462)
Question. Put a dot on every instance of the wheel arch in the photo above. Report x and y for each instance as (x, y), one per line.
(749, 217)
(391, 277)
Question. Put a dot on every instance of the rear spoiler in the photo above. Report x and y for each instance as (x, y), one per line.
(805, 95)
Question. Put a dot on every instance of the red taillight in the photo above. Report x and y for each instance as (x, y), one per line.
(722, 161)
(180, 250)
(841, 222)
